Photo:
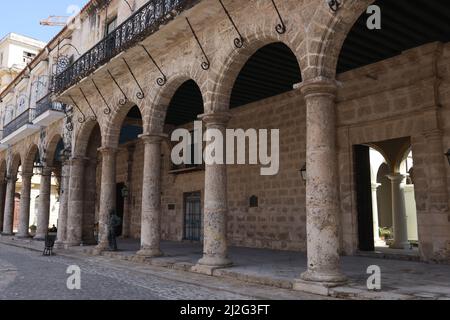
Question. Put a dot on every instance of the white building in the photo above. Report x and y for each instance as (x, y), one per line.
(16, 51)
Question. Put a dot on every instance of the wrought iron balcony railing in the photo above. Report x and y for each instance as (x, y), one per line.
(24, 118)
(45, 104)
(137, 27)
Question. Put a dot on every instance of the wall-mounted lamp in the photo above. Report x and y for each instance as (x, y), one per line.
(125, 192)
(448, 156)
(304, 173)
(334, 4)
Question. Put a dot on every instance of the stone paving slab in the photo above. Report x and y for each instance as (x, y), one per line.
(401, 280)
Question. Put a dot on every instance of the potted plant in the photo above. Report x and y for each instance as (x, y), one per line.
(385, 234)
(33, 229)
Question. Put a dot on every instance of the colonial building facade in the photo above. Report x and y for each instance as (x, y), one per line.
(123, 75)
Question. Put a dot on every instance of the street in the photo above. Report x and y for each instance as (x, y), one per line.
(27, 275)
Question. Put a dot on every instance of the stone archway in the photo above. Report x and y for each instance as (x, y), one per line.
(31, 159)
(10, 208)
(83, 204)
(3, 183)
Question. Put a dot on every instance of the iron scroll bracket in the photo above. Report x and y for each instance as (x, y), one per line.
(239, 41)
(205, 64)
(140, 94)
(107, 110)
(82, 118)
(161, 81)
(94, 117)
(281, 27)
(122, 101)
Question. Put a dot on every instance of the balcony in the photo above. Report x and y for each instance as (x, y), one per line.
(137, 27)
(47, 112)
(19, 128)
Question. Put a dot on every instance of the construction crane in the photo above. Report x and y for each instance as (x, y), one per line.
(54, 21)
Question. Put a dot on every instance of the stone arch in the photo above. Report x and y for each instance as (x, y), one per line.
(16, 161)
(381, 151)
(83, 136)
(162, 100)
(114, 123)
(328, 33)
(30, 156)
(226, 76)
(50, 148)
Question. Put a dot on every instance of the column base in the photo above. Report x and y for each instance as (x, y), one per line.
(207, 265)
(402, 245)
(7, 234)
(149, 253)
(60, 244)
(319, 288)
(217, 262)
(333, 277)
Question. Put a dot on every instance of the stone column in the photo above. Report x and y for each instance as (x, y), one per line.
(75, 206)
(399, 212)
(63, 203)
(8, 218)
(107, 194)
(376, 225)
(215, 247)
(126, 224)
(2, 202)
(322, 199)
(151, 197)
(44, 204)
(24, 216)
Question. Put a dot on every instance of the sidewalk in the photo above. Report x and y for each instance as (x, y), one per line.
(400, 279)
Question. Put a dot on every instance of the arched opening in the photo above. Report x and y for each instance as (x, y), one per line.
(186, 178)
(11, 218)
(406, 24)
(3, 182)
(387, 217)
(259, 206)
(270, 71)
(29, 173)
(87, 146)
(128, 180)
(376, 65)
(53, 160)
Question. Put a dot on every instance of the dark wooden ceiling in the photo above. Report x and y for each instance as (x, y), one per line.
(406, 24)
(274, 69)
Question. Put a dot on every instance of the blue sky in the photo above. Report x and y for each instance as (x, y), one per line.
(23, 16)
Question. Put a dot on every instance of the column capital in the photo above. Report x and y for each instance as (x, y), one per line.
(11, 178)
(108, 150)
(215, 118)
(375, 185)
(396, 177)
(65, 157)
(152, 138)
(47, 171)
(78, 160)
(318, 86)
(26, 175)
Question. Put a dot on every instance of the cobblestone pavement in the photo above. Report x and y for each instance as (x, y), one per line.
(27, 274)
